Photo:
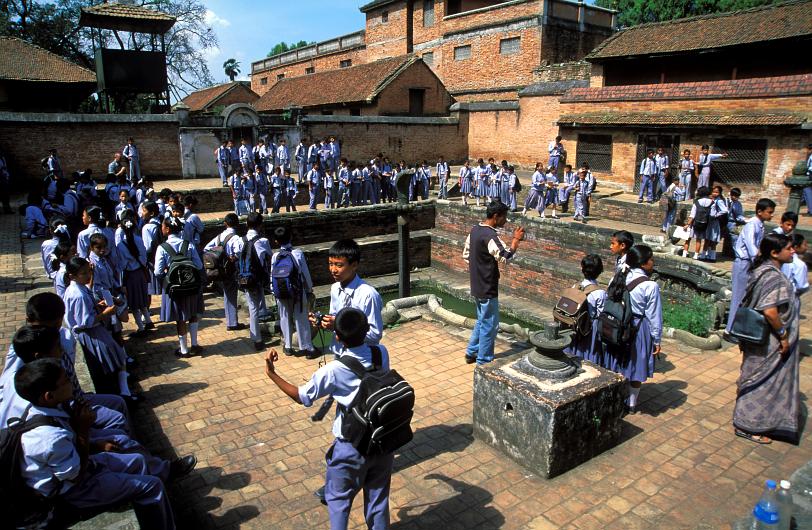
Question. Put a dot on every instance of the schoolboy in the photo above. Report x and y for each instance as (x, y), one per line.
(581, 196)
(300, 155)
(291, 189)
(223, 156)
(313, 185)
(234, 156)
(619, 246)
(232, 224)
(674, 193)
(283, 155)
(343, 184)
(703, 166)
(789, 220)
(555, 149)
(56, 459)
(442, 175)
(569, 179)
(349, 290)
(246, 155)
(797, 271)
(348, 471)
(735, 216)
(255, 293)
(663, 164)
(294, 312)
(648, 171)
(130, 152)
(746, 250)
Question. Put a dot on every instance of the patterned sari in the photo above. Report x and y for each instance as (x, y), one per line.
(768, 394)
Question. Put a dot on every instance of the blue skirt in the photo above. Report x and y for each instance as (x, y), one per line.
(588, 347)
(137, 290)
(181, 310)
(98, 342)
(465, 185)
(154, 286)
(533, 199)
(494, 189)
(638, 365)
(481, 189)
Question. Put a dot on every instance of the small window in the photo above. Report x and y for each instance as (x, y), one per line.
(327, 113)
(310, 70)
(280, 77)
(596, 150)
(428, 58)
(462, 52)
(744, 165)
(384, 17)
(428, 13)
(510, 46)
(346, 63)
(263, 80)
(356, 111)
(417, 99)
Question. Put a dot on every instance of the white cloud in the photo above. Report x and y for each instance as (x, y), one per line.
(213, 19)
(211, 53)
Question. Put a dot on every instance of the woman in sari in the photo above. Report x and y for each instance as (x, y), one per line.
(768, 396)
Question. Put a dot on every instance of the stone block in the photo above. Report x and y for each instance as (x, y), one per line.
(548, 427)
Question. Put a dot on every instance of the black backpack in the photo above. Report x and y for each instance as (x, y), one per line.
(616, 319)
(249, 269)
(182, 278)
(518, 186)
(24, 506)
(377, 422)
(702, 217)
(216, 263)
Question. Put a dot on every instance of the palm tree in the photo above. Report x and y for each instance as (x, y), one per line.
(232, 68)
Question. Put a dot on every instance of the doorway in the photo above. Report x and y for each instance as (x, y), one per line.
(646, 142)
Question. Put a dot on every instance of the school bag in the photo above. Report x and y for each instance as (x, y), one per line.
(24, 506)
(518, 186)
(286, 279)
(616, 319)
(377, 422)
(216, 263)
(572, 309)
(702, 216)
(249, 269)
(182, 277)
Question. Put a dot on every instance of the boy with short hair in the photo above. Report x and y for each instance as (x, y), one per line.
(619, 245)
(797, 271)
(746, 250)
(232, 224)
(789, 220)
(648, 170)
(348, 471)
(442, 175)
(294, 311)
(674, 193)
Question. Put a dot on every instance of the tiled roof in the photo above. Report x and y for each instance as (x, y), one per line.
(549, 88)
(345, 85)
(200, 99)
(126, 17)
(126, 11)
(790, 85)
(682, 119)
(22, 61)
(375, 3)
(778, 21)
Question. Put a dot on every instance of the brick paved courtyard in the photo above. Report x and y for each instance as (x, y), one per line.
(260, 456)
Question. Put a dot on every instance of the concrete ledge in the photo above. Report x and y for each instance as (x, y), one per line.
(484, 106)
(388, 120)
(62, 117)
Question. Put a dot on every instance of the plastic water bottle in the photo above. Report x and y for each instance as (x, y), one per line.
(765, 513)
(784, 497)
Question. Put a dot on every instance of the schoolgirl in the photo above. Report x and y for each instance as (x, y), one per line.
(193, 225)
(59, 232)
(686, 172)
(550, 196)
(135, 274)
(106, 359)
(123, 204)
(59, 258)
(152, 237)
(482, 175)
(466, 181)
(35, 223)
(636, 361)
(182, 309)
(702, 228)
(107, 283)
(237, 183)
(589, 347)
(94, 219)
(495, 186)
(535, 196)
(581, 190)
(504, 189)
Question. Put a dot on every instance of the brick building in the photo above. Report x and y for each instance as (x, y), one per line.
(33, 79)
(216, 98)
(397, 86)
(740, 82)
(480, 49)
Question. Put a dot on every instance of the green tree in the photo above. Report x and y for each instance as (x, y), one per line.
(633, 12)
(232, 68)
(283, 47)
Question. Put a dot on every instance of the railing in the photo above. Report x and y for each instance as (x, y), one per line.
(344, 42)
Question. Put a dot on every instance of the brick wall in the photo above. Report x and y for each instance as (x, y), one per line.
(398, 138)
(239, 94)
(566, 42)
(330, 61)
(394, 100)
(386, 39)
(519, 136)
(87, 141)
(562, 71)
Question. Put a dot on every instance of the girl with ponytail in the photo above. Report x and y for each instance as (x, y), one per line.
(135, 271)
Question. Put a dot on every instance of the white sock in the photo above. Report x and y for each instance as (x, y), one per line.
(183, 348)
(147, 318)
(633, 393)
(696, 255)
(137, 317)
(123, 387)
(193, 332)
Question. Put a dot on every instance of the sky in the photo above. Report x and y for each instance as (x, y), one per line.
(247, 30)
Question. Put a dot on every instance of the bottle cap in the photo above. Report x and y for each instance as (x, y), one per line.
(770, 484)
(785, 484)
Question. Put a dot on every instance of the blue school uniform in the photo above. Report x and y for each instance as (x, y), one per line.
(314, 182)
(678, 195)
(704, 163)
(283, 157)
(262, 186)
(301, 161)
(292, 189)
(362, 296)
(239, 194)
(223, 156)
(648, 172)
(193, 227)
(663, 172)
(83, 242)
(181, 309)
(35, 223)
(131, 152)
(554, 149)
(550, 195)
(122, 207)
(250, 189)
(646, 305)
(330, 191)
(798, 274)
(495, 184)
(425, 179)
(589, 347)
(255, 295)
(61, 280)
(246, 157)
(347, 470)
(152, 237)
(581, 198)
(295, 312)
(278, 190)
(482, 175)
(343, 187)
(229, 284)
(512, 182)
(466, 180)
(134, 271)
(535, 196)
(98, 344)
(569, 179)
(46, 252)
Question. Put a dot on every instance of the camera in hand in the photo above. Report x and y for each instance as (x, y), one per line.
(319, 316)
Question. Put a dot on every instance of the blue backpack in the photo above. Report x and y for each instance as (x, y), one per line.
(286, 280)
(249, 269)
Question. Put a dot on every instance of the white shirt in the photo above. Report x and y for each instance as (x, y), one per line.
(646, 302)
(797, 273)
(360, 295)
(595, 300)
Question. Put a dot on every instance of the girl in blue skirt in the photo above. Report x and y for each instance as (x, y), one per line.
(152, 237)
(482, 175)
(134, 272)
(535, 195)
(589, 347)
(636, 361)
(106, 359)
(466, 181)
(94, 219)
(60, 257)
(181, 309)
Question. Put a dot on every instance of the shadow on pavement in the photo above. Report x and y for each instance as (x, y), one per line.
(433, 440)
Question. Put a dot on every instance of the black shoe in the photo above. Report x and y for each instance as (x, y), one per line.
(259, 346)
(639, 201)
(138, 334)
(197, 349)
(180, 467)
(628, 410)
(180, 355)
(319, 493)
(288, 351)
(470, 360)
(131, 362)
(149, 325)
(133, 399)
(313, 354)
(238, 327)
